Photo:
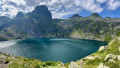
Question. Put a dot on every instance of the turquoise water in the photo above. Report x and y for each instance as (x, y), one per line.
(51, 49)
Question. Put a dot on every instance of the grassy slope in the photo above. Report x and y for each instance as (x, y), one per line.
(112, 49)
(22, 62)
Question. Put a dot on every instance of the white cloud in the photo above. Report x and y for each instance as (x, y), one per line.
(59, 8)
(90, 5)
(101, 1)
(113, 4)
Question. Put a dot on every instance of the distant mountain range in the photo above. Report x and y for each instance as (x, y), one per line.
(39, 23)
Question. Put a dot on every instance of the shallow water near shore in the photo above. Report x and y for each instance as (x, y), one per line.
(51, 49)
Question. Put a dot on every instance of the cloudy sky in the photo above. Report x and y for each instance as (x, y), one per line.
(62, 8)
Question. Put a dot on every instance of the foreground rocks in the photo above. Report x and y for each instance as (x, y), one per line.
(3, 63)
(103, 48)
(3, 57)
(110, 56)
(119, 48)
(102, 66)
(74, 65)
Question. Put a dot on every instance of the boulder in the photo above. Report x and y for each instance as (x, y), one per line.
(103, 48)
(118, 57)
(14, 57)
(102, 66)
(91, 57)
(74, 65)
(2, 57)
(110, 56)
(118, 38)
(111, 60)
(2, 61)
(119, 48)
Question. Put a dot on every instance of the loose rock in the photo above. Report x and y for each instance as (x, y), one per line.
(2, 57)
(118, 57)
(74, 65)
(111, 60)
(102, 66)
(110, 56)
(119, 48)
(102, 48)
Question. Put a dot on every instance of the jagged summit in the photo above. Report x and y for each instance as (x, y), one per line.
(76, 15)
(96, 15)
(20, 15)
(42, 11)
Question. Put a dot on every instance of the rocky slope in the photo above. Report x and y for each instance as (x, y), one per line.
(92, 27)
(35, 24)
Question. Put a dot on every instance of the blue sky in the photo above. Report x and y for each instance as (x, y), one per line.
(62, 8)
(104, 13)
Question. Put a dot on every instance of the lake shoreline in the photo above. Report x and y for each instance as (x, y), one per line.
(75, 43)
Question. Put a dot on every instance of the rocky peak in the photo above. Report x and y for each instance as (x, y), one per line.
(96, 15)
(20, 15)
(42, 11)
(76, 15)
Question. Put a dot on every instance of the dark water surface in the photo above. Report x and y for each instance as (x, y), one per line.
(51, 49)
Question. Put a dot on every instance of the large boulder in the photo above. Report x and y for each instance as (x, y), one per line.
(102, 66)
(2, 57)
(119, 48)
(110, 56)
(103, 48)
(74, 65)
(111, 60)
(118, 57)
(13, 57)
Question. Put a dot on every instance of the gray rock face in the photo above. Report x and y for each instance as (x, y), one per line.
(74, 65)
(102, 48)
(43, 11)
(20, 15)
(102, 66)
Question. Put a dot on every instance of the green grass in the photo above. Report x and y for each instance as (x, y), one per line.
(112, 49)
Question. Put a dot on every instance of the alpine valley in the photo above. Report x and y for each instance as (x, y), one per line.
(40, 24)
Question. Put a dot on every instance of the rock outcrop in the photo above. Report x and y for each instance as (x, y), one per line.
(111, 60)
(110, 56)
(3, 63)
(74, 65)
(102, 66)
(3, 57)
(102, 48)
(119, 48)
(91, 57)
(118, 57)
